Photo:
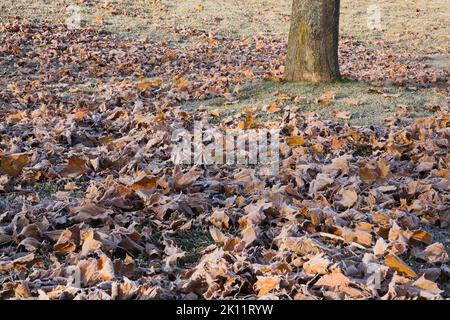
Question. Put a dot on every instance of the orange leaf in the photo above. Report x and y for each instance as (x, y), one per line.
(422, 236)
(317, 148)
(397, 264)
(145, 183)
(249, 122)
(266, 284)
(273, 108)
(181, 82)
(147, 84)
(335, 279)
(295, 141)
(383, 168)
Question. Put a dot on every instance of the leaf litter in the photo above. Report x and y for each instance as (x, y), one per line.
(337, 223)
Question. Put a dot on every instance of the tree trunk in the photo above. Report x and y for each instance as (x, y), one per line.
(313, 41)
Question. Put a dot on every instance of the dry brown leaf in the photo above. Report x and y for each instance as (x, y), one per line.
(434, 253)
(248, 123)
(65, 245)
(248, 232)
(219, 218)
(217, 235)
(383, 168)
(317, 265)
(273, 108)
(428, 286)
(75, 167)
(318, 148)
(422, 236)
(321, 182)
(358, 236)
(266, 284)
(380, 247)
(182, 83)
(199, 8)
(295, 141)
(91, 212)
(329, 95)
(334, 280)
(326, 99)
(145, 183)
(349, 198)
(182, 181)
(105, 268)
(13, 164)
(397, 264)
(345, 115)
(338, 164)
(143, 85)
(89, 243)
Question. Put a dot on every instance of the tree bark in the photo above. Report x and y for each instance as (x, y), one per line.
(313, 41)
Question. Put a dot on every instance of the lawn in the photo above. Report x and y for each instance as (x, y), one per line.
(415, 30)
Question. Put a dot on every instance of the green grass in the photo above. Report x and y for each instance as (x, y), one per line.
(49, 188)
(192, 241)
(11, 200)
(45, 189)
(373, 108)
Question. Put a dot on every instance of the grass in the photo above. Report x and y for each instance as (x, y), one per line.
(43, 189)
(418, 26)
(192, 241)
(417, 23)
(124, 18)
(373, 108)
(49, 188)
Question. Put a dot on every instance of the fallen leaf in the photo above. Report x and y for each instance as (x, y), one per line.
(434, 253)
(13, 164)
(89, 243)
(380, 247)
(349, 198)
(397, 264)
(321, 182)
(345, 115)
(75, 167)
(334, 280)
(266, 284)
(295, 141)
(182, 181)
(422, 236)
(317, 265)
(429, 286)
(91, 212)
(219, 218)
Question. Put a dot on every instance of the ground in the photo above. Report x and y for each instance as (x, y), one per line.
(87, 116)
(416, 30)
